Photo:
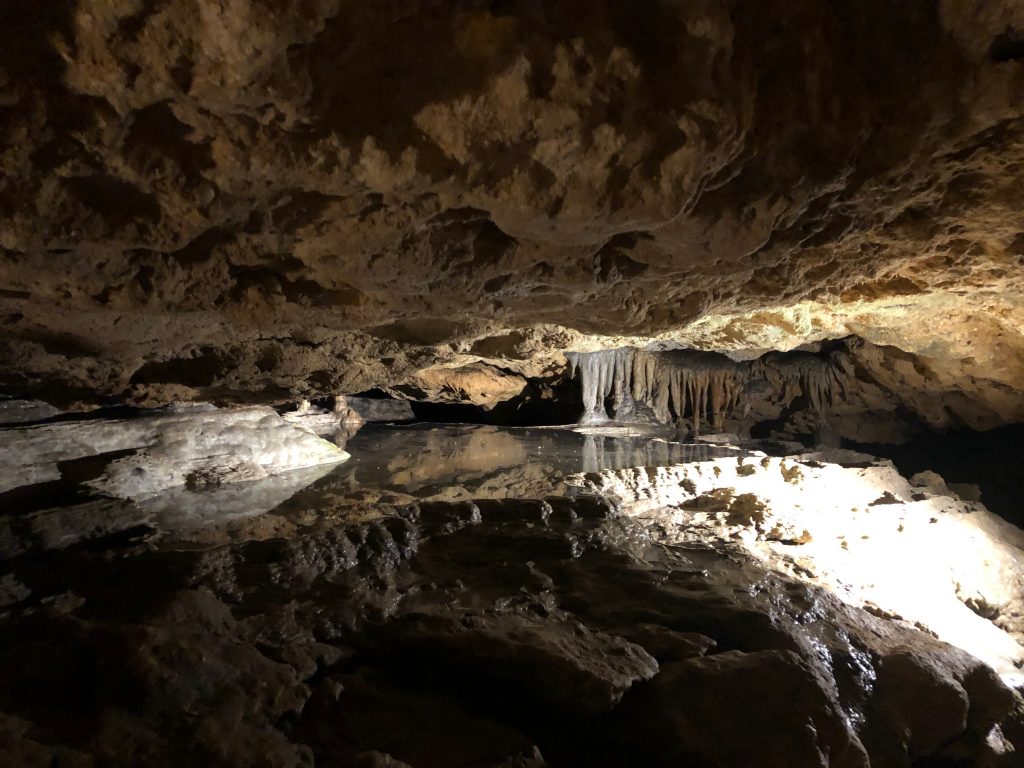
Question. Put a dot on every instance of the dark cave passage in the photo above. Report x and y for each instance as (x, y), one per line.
(990, 460)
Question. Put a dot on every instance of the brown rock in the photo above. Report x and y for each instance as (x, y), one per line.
(360, 720)
(726, 710)
(559, 664)
(261, 203)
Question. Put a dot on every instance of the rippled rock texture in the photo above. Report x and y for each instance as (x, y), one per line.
(251, 200)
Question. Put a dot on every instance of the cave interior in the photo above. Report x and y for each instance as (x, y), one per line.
(511, 384)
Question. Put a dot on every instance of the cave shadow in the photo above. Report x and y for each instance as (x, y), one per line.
(990, 460)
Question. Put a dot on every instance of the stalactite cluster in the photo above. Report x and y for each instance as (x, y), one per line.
(679, 385)
(650, 386)
(601, 374)
(792, 374)
(694, 383)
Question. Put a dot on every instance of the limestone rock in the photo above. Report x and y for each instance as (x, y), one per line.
(14, 411)
(501, 632)
(259, 203)
(371, 410)
(196, 447)
(924, 556)
(560, 665)
(366, 715)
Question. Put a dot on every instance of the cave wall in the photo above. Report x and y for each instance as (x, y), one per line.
(257, 201)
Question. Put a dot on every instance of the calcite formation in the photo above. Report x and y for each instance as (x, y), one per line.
(913, 551)
(663, 386)
(690, 388)
(194, 447)
(263, 201)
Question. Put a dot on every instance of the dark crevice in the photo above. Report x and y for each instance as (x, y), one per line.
(1008, 46)
(986, 459)
(451, 413)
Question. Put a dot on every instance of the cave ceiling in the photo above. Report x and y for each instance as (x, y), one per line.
(255, 200)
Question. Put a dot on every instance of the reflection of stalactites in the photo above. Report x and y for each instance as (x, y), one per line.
(591, 461)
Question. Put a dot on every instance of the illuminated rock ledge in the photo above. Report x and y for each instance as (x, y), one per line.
(912, 551)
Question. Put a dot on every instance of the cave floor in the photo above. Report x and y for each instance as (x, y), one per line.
(474, 596)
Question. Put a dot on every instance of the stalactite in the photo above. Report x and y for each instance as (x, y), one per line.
(604, 374)
(691, 387)
(698, 385)
(792, 374)
(661, 386)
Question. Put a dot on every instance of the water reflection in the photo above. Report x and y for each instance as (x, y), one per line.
(424, 459)
(600, 453)
(390, 464)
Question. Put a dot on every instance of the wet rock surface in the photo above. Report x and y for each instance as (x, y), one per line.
(386, 631)
(460, 204)
(141, 457)
(912, 551)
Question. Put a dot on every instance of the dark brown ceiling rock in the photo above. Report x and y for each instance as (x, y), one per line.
(255, 199)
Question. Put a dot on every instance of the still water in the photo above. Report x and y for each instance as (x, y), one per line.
(423, 459)
(389, 465)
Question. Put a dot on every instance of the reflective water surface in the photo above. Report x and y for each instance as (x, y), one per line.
(342, 615)
(390, 464)
(424, 459)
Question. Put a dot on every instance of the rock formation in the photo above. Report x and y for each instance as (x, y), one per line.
(848, 522)
(795, 221)
(662, 385)
(524, 632)
(689, 388)
(195, 447)
(253, 202)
